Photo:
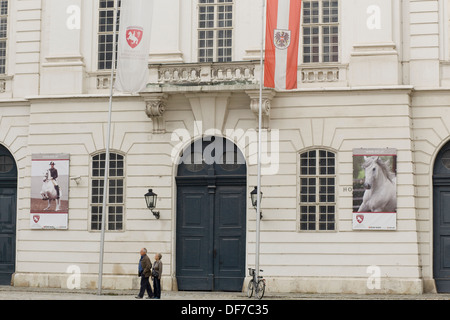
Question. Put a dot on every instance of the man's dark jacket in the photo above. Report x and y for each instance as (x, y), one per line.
(53, 173)
(146, 265)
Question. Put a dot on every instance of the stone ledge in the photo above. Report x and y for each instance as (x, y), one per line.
(294, 285)
(89, 281)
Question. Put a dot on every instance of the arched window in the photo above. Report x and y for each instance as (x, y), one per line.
(116, 191)
(317, 190)
(6, 163)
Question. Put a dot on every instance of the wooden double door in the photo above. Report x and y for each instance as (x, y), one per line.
(211, 227)
(8, 209)
(441, 220)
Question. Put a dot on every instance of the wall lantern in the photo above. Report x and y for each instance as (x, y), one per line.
(150, 199)
(254, 197)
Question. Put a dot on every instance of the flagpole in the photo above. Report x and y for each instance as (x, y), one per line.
(258, 206)
(108, 139)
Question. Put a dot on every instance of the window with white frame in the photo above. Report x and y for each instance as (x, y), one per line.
(106, 32)
(215, 30)
(3, 34)
(317, 190)
(320, 29)
(116, 192)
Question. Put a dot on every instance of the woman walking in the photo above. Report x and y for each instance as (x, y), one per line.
(156, 276)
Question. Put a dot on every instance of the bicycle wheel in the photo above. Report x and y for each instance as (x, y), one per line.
(250, 288)
(260, 289)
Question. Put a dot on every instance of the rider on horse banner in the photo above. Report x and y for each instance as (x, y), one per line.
(53, 177)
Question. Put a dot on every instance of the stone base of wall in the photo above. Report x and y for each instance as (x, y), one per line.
(341, 285)
(69, 281)
(273, 285)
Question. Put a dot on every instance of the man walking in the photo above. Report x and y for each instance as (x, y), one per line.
(145, 271)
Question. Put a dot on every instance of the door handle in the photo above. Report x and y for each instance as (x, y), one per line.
(215, 253)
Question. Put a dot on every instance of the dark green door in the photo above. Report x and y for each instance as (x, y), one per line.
(441, 221)
(229, 238)
(211, 224)
(8, 207)
(442, 238)
(194, 269)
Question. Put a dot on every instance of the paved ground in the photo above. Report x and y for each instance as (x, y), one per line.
(12, 293)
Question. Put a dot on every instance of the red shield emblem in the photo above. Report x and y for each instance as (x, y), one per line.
(360, 218)
(134, 36)
(36, 218)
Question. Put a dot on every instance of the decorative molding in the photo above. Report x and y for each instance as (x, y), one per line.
(179, 74)
(156, 104)
(2, 85)
(233, 72)
(166, 57)
(205, 73)
(103, 82)
(320, 74)
(267, 97)
(64, 61)
(5, 83)
(253, 54)
(374, 49)
(99, 80)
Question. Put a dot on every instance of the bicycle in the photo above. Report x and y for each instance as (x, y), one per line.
(256, 285)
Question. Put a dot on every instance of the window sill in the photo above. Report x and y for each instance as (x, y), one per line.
(107, 231)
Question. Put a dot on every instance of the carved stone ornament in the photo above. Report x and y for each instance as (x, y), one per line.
(155, 108)
(267, 97)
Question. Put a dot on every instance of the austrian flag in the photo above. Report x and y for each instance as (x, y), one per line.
(282, 44)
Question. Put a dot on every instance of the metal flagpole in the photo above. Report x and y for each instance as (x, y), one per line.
(258, 206)
(108, 138)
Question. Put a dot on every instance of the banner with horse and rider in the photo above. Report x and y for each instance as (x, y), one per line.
(374, 189)
(49, 191)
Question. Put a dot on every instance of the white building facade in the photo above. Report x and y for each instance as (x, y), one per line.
(372, 74)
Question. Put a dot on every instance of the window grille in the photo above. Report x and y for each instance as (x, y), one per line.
(320, 28)
(106, 32)
(317, 190)
(215, 30)
(116, 192)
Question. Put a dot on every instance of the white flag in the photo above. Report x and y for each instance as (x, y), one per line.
(134, 45)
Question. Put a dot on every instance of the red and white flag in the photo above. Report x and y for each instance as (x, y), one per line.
(282, 44)
(134, 45)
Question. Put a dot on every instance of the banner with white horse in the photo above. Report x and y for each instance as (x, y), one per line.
(49, 206)
(374, 189)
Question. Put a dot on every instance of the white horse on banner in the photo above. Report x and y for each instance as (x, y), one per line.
(132, 37)
(381, 187)
(49, 193)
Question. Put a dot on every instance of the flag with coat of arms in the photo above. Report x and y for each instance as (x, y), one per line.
(282, 44)
(134, 45)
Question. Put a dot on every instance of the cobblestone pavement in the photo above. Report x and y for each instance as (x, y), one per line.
(13, 293)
